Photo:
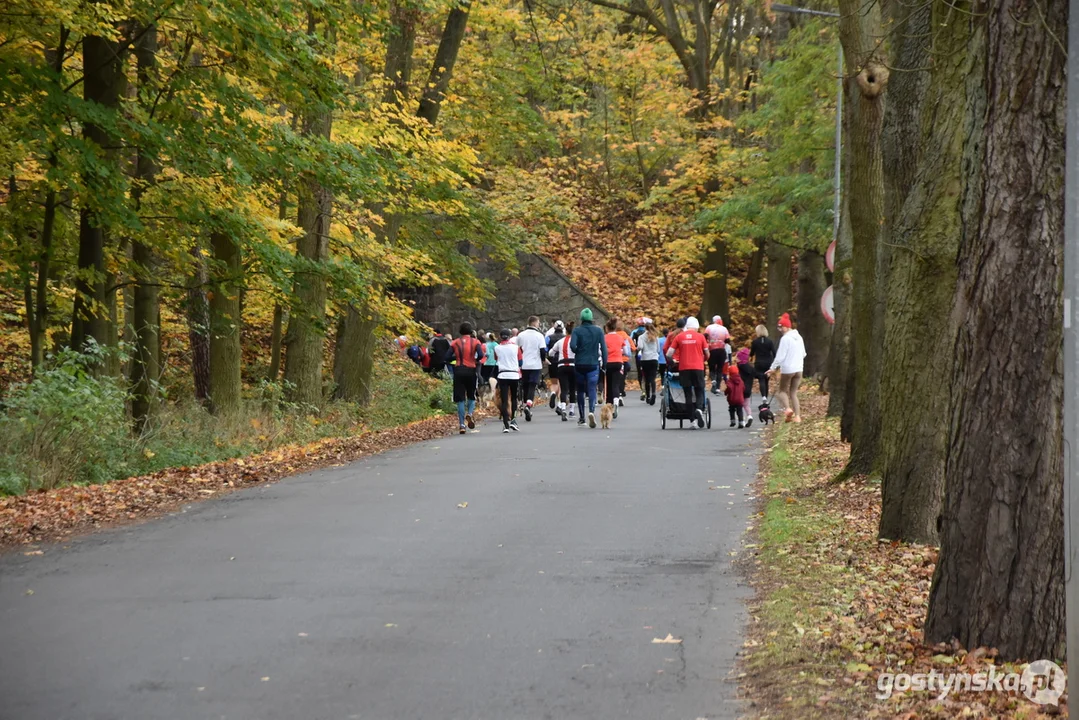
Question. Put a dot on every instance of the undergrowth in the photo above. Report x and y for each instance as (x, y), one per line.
(70, 426)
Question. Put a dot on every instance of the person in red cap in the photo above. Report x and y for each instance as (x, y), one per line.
(736, 398)
(690, 350)
(789, 362)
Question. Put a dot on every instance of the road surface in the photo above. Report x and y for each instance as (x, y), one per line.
(368, 592)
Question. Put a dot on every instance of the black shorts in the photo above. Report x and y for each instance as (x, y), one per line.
(716, 358)
(464, 384)
(488, 371)
(531, 376)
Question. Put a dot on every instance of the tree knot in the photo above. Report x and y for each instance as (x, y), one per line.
(872, 80)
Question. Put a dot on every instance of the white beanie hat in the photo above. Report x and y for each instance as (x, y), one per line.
(692, 324)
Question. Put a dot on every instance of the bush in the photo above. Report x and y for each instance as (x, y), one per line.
(66, 425)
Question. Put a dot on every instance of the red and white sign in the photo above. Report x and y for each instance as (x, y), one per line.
(827, 305)
(829, 257)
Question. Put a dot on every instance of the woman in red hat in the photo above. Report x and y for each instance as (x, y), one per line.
(789, 362)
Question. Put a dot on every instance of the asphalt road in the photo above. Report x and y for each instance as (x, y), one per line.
(366, 592)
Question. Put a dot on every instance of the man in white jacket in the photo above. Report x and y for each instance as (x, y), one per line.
(789, 361)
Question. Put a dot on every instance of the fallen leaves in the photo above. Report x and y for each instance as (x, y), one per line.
(669, 640)
(835, 607)
(63, 512)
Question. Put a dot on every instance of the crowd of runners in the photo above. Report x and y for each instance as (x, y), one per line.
(580, 368)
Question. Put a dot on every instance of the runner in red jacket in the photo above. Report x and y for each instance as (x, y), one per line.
(689, 349)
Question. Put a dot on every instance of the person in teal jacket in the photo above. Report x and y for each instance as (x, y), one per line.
(590, 358)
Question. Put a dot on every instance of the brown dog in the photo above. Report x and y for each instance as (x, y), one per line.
(606, 414)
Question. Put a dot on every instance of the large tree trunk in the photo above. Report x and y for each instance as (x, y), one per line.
(226, 277)
(145, 362)
(812, 324)
(751, 283)
(867, 77)
(999, 581)
(358, 326)
(198, 326)
(921, 286)
(355, 356)
(445, 58)
(306, 337)
(780, 277)
(103, 84)
(715, 300)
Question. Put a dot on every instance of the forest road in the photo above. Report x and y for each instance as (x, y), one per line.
(372, 591)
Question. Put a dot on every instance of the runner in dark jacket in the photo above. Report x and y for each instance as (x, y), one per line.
(590, 356)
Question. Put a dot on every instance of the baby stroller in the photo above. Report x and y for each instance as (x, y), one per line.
(673, 406)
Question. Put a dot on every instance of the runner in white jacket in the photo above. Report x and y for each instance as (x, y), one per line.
(789, 361)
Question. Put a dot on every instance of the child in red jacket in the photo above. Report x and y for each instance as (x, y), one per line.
(736, 397)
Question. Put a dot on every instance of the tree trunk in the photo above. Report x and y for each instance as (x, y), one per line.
(355, 357)
(812, 324)
(275, 343)
(305, 340)
(145, 362)
(867, 77)
(715, 300)
(780, 277)
(306, 337)
(226, 275)
(445, 58)
(357, 329)
(198, 327)
(103, 84)
(751, 284)
(925, 169)
(999, 581)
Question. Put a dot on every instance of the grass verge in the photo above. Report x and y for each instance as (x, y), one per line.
(837, 613)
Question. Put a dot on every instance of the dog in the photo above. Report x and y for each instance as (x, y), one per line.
(765, 412)
(606, 414)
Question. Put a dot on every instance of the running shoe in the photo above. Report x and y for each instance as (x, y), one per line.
(700, 419)
(591, 420)
(505, 430)
(749, 421)
(462, 431)
(565, 418)
(470, 421)
(528, 413)
(513, 426)
(643, 398)
(580, 421)
(554, 401)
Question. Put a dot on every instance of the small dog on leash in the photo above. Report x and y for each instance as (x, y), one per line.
(765, 412)
(606, 414)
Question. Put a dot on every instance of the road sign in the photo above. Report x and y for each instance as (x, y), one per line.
(829, 257)
(827, 305)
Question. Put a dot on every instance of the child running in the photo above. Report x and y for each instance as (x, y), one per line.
(747, 373)
(736, 399)
(509, 377)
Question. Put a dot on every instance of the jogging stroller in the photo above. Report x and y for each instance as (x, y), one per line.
(673, 406)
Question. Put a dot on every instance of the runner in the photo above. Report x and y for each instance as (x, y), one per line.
(617, 347)
(561, 359)
(636, 336)
(533, 353)
(490, 365)
(439, 350)
(629, 349)
(690, 350)
(554, 336)
(718, 336)
(469, 354)
(509, 376)
(648, 343)
(590, 354)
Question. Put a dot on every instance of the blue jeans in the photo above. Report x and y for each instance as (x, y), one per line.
(587, 380)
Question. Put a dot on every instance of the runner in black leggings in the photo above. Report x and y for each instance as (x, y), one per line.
(648, 345)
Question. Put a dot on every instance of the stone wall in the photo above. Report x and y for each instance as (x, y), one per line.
(539, 289)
